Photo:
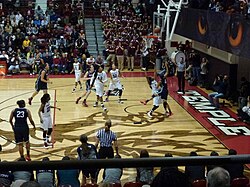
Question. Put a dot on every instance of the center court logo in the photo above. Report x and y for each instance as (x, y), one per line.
(217, 117)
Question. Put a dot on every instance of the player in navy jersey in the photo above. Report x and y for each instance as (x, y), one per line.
(164, 92)
(41, 82)
(88, 77)
(44, 113)
(20, 127)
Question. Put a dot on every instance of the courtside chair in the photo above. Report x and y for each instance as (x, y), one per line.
(199, 183)
(240, 182)
(133, 184)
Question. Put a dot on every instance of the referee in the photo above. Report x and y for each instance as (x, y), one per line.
(106, 138)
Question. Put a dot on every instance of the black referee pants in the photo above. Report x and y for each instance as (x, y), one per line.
(106, 152)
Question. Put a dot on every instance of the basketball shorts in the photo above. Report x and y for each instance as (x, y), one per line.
(47, 123)
(41, 86)
(157, 101)
(77, 76)
(21, 134)
(99, 90)
(115, 84)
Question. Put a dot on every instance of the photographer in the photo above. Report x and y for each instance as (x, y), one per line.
(220, 86)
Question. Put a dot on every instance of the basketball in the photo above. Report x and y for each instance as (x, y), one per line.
(157, 30)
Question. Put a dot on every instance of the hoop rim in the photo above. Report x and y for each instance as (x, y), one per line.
(150, 36)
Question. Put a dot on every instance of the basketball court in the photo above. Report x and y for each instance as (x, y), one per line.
(188, 129)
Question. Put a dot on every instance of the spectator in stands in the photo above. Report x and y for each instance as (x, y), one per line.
(174, 167)
(210, 167)
(90, 61)
(14, 64)
(31, 184)
(39, 12)
(113, 175)
(195, 172)
(181, 72)
(46, 178)
(145, 175)
(26, 44)
(131, 56)
(68, 177)
(6, 178)
(31, 63)
(4, 56)
(48, 59)
(87, 151)
(203, 72)
(99, 61)
(244, 93)
(106, 137)
(235, 170)
(220, 85)
(21, 177)
(170, 177)
(218, 177)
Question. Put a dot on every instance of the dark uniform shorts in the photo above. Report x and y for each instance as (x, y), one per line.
(164, 94)
(21, 134)
(91, 172)
(41, 86)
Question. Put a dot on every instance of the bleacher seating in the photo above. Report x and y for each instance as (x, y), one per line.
(199, 183)
(133, 184)
(240, 182)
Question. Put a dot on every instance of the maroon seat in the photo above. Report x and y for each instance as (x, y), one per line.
(240, 182)
(199, 183)
(116, 185)
(90, 185)
(133, 184)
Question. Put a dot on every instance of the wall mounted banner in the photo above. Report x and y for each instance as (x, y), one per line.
(226, 32)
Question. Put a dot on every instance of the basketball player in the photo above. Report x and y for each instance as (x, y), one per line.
(77, 68)
(164, 91)
(99, 80)
(114, 83)
(41, 82)
(88, 77)
(21, 128)
(154, 85)
(45, 118)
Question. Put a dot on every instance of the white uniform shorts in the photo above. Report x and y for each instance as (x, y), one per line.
(157, 101)
(77, 76)
(115, 84)
(47, 123)
(99, 90)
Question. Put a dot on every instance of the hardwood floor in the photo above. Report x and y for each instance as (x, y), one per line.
(179, 134)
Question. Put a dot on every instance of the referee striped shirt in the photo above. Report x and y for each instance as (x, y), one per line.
(106, 138)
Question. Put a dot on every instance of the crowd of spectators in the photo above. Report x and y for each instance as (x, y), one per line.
(124, 27)
(228, 6)
(56, 36)
(167, 176)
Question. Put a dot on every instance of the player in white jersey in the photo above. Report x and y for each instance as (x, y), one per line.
(88, 78)
(114, 83)
(77, 68)
(45, 118)
(99, 79)
(155, 86)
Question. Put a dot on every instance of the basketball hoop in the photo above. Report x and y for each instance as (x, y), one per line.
(151, 36)
(149, 39)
